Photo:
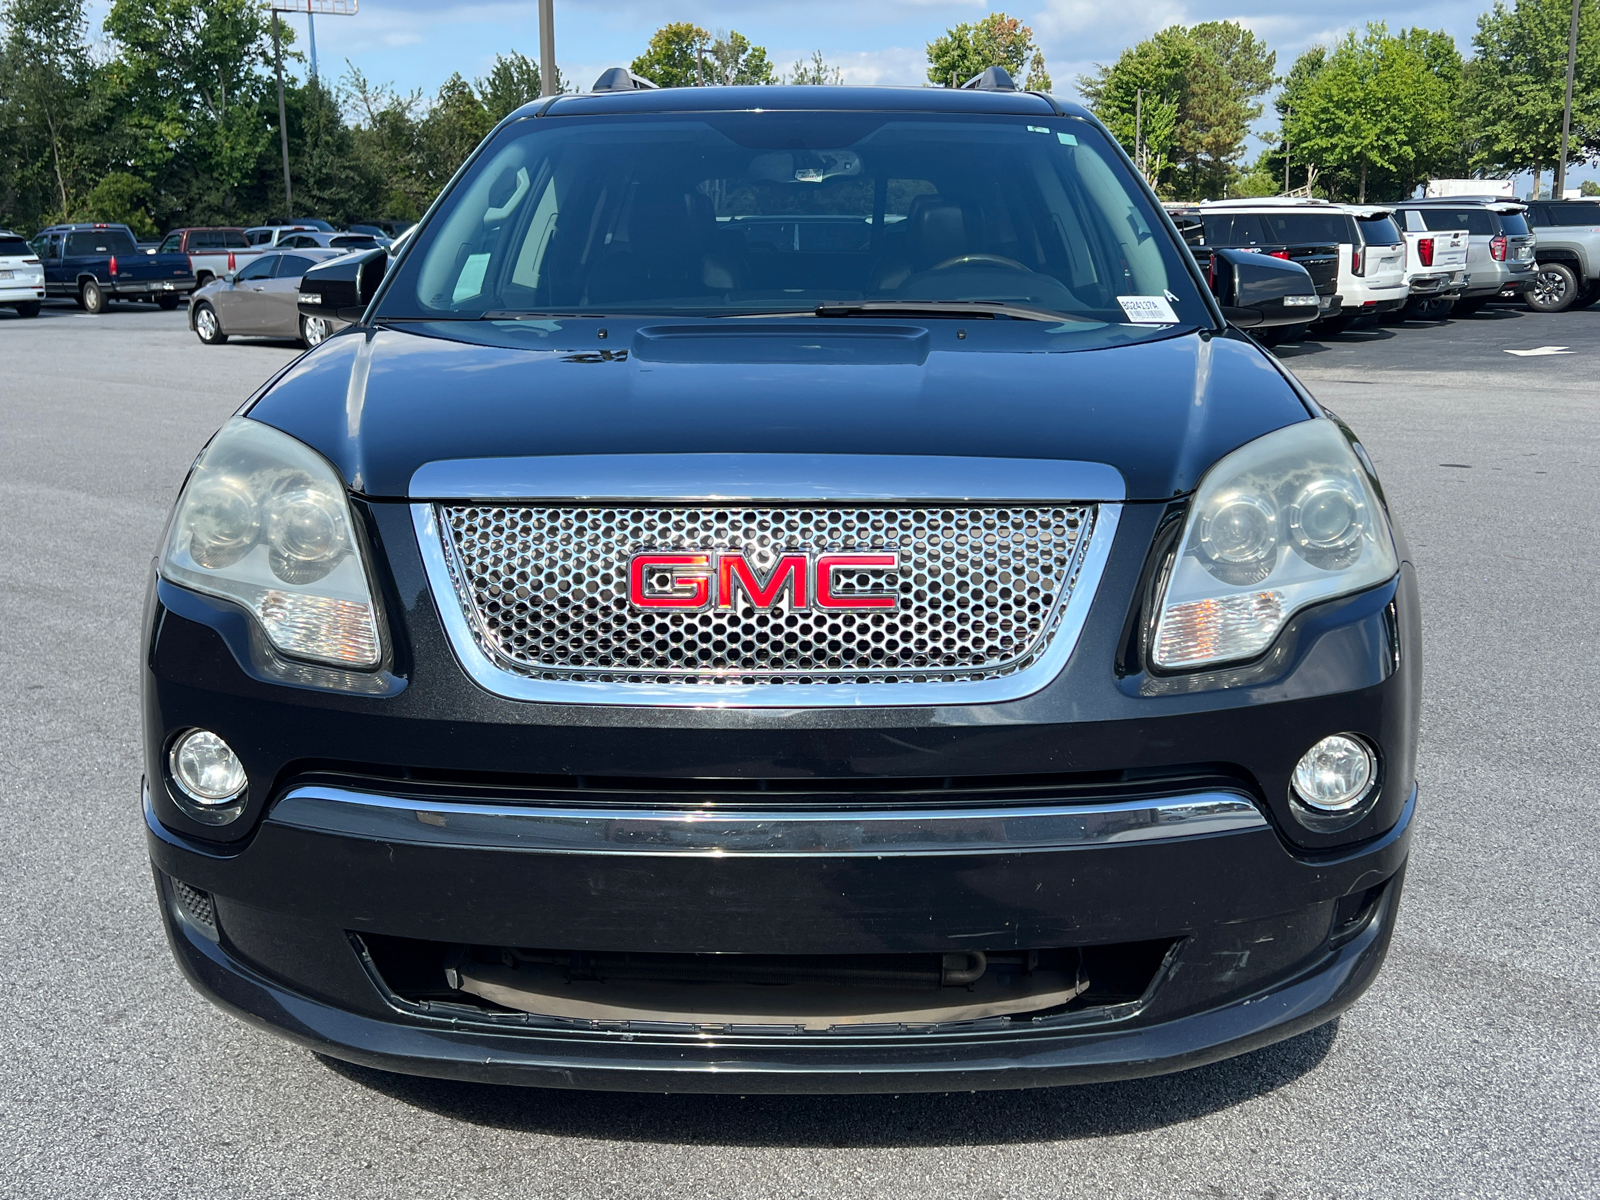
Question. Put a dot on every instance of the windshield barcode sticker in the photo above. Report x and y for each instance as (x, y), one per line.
(1147, 310)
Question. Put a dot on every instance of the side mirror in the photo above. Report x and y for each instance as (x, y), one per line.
(1257, 290)
(227, 277)
(341, 288)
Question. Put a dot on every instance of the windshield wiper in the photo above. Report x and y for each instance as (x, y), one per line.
(948, 308)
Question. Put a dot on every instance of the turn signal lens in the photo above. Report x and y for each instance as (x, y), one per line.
(1335, 775)
(264, 521)
(1290, 519)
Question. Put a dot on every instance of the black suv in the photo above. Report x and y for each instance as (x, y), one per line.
(784, 589)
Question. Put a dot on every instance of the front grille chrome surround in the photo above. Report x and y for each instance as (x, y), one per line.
(534, 598)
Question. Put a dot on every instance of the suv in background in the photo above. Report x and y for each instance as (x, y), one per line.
(1499, 246)
(1372, 276)
(1569, 254)
(21, 275)
(1314, 233)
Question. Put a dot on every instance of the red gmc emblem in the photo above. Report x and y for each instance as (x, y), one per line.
(699, 579)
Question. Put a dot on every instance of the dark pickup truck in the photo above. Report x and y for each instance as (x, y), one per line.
(95, 264)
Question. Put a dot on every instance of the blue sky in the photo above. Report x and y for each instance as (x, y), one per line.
(418, 43)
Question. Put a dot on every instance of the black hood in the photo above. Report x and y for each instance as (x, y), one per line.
(381, 402)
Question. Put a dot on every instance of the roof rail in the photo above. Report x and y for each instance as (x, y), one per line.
(991, 79)
(620, 79)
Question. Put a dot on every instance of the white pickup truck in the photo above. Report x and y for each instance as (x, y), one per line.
(1436, 271)
(212, 251)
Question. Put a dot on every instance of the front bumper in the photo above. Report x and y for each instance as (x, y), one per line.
(1255, 916)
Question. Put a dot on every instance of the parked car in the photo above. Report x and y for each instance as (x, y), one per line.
(213, 251)
(269, 235)
(95, 264)
(649, 656)
(21, 275)
(261, 300)
(308, 240)
(379, 235)
(1313, 233)
(1436, 272)
(1372, 275)
(1499, 247)
(1568, 254)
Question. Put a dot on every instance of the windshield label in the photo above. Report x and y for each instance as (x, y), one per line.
(1147, 310)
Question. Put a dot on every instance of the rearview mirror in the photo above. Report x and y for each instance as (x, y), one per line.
(341, 288)
(1257, 290)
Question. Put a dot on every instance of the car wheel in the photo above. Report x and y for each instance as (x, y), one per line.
(166, 303)
(1590, 293)
(1554, 289)
(28, 308)
(91, 298)
(1465, 308)
(207, 327)
(313, 331)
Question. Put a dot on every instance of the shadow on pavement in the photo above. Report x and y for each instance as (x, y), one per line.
(933, 1119)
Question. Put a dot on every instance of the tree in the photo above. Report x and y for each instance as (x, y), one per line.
(967, 49)
(1038, 77)
(1185, 98)
(734, 61)
(456, 122)
(387, 141)
(1517, 86)
(676, 56)
(1589, 188)
(815, 71)
(1379, 103)
(512, 82)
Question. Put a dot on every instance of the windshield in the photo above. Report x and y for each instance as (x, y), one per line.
(1379, 231)
(13, 247)
(745, 213)
(1479, 221)
(1514, 225)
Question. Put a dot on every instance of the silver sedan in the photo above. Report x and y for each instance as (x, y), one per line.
(260, 300)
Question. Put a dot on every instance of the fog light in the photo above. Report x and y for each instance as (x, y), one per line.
(1335, 775)
(209, 772)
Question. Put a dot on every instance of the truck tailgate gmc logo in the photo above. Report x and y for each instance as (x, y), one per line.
(701, 579)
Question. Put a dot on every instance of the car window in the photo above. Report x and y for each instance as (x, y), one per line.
(1513, 225)
(1574, 214)
(173, 244)
(1233, 229)
(14, 247)
(1478, 221)
(101, 241)
(724, 213)
(261, 268)
(1320, 228)
(231, 239)
(258, 237)
(292, 266)
(1379, 231)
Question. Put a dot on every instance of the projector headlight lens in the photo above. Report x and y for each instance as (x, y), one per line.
(264, 521)
(206, 768)
(1335, 775)
(1288, 520)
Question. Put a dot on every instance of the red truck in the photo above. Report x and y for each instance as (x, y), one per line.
(213, 250)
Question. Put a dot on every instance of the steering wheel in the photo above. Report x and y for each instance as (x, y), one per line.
(998, 260)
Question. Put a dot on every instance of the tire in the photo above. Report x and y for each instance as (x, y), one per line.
(1555, 288)
(1589, 294)
(166, 303)
(91, 297)
(1425, 308)
(207, 327)
(313, 332)
(1465, 308)
(28, 308)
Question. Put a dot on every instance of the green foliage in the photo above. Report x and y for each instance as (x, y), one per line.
(1038, 79)
(968, 49)
(1186, 96)
(1381, 109)
(1516, 89)
(733, 60)
(1589, 188)
(120, 198)
(512, 82)
(816, 72)
(676, 56)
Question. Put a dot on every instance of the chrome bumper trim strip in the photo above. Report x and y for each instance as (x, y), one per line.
(719, 833)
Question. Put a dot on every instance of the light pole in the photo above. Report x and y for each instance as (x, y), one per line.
(331, 8)
(1560, 189)
(547, 47)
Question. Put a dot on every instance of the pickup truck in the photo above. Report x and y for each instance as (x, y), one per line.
(95, 264)
(1568, 253)
(212, 252)
(1436, 271)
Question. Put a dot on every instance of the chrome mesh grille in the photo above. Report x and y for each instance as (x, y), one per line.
(981, 590)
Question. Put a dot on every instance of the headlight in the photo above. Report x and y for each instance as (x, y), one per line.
(264, 521)
(1284, 522)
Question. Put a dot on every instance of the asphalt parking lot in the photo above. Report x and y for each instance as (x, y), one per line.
(1471, 1069)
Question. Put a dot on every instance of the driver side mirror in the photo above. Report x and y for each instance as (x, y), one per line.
(1256, 290)
(227, 277)
(341, 288)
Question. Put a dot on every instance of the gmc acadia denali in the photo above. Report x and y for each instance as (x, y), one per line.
(785, 589)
